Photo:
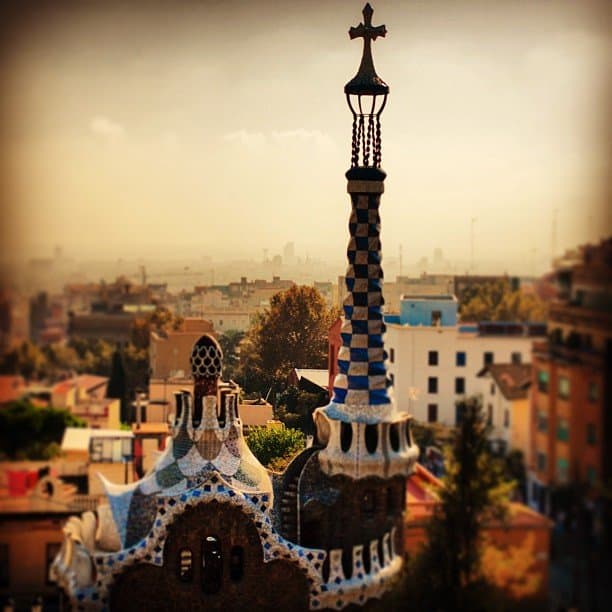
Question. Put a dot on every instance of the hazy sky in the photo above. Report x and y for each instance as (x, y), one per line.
(163, 127)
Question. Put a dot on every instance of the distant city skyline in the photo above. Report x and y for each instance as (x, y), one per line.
(220, 129)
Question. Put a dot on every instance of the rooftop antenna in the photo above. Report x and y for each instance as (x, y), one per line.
(472, 222)
(553, 236)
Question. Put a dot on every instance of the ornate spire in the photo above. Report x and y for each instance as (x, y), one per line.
(366, 94)
(363, 431)
(366, 81)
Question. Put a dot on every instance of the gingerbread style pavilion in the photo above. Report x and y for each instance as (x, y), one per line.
(209, 528)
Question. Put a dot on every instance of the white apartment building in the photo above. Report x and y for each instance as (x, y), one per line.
(434, 360)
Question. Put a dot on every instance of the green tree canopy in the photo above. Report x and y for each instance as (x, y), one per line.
(275, 447)
(26, 359)
(29, 432)
(292, 333)
(496, 301)
(230, 345)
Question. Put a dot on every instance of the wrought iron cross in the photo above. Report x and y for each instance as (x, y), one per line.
(369, 33)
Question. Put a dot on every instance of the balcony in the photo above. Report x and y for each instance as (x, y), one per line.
(570, 314)
(553, 351)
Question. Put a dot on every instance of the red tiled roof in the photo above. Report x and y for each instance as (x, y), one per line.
(513, 379)
(11, 388)
(421, 499)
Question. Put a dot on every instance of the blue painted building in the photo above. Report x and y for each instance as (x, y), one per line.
(439, 310)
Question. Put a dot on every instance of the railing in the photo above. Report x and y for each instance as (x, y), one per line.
(82, 503)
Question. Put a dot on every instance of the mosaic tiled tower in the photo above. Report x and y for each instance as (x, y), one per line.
(363, 431)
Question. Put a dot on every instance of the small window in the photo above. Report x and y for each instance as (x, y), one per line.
(541, 461)
(492, 389)
(394, 437)
(432, 358)
(371, 438)
(563, 430)
(591, 475)
(593, 392)
(432, 384)
(543, 381)
(392, 355)
(185, 565)
(542, 421)
(346, 436)
(212, 565)
(562, 470)
(488, 358)
(564, 387)
(490, 414)
(236, 570)
(506, 418)
(436, 317)
(432, 413)
(460, 385)
(591, 434)
(392, 378)
(460, 359)
(51, 552)
(5, 576)
(516, 358)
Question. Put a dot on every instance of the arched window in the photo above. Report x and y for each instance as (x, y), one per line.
(185, 565)
(394, 437)
(236, 569)
(347, 562)
(346, 436)
(212, 565)
(371, 438)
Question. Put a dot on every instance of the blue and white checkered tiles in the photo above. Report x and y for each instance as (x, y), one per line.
(362, 374)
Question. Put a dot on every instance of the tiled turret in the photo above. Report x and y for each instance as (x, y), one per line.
(363, 431)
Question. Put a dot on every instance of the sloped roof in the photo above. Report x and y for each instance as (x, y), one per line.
(422, 497)
(89, 382)
(318, 377)
(513, 379)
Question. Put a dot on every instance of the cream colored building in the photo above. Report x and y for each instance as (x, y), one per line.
(505, 396)
(106, 452)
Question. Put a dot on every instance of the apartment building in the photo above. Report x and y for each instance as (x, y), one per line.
(434, 360)
(572, 370)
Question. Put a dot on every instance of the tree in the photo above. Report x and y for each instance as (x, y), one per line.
(497, 301)
(230, 345)
(161, 320)
(29, 432)
(295, 406)
(447, 572)
(292, 333)
(275, 447)
(117, 385)
(26, 359)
